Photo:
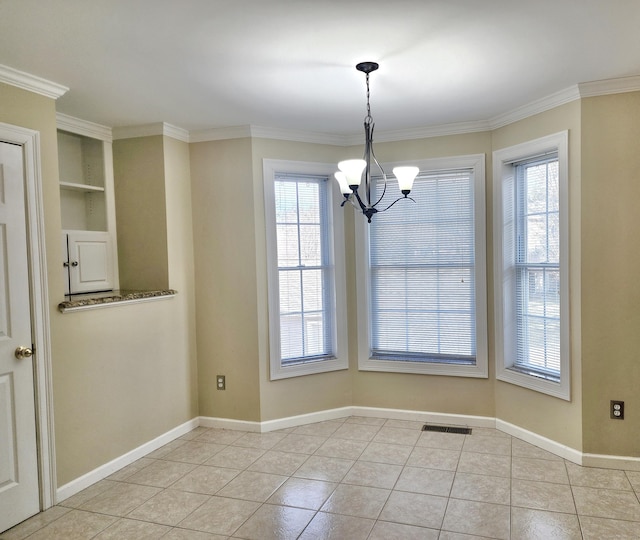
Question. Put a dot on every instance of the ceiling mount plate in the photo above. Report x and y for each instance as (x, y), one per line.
(367, 67)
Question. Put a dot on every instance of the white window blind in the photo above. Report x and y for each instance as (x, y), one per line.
(422, 273)
(305, 273)
(537, 266)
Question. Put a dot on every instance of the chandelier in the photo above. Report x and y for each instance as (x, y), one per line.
(354, 171)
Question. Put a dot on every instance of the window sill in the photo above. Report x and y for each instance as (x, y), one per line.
(552, 378)
(559, 388)
(477, 370)
(112, 298)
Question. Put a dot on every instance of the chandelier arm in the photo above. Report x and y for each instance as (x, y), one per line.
(349, 199)
(368, 150)
(384, 176)
(398, 199)
(363, 206)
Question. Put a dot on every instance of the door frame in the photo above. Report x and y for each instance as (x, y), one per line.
(29, 140)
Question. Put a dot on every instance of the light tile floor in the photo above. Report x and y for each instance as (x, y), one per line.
(349, 479)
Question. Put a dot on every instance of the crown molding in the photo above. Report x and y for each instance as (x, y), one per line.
(83, 127)
(260, 132)
(441, 130)
(220, 134)
(149, 130)
(29, 82)
(609, 86)
(238, 132)
(176, 132)
(535, 107)
(299, 136)
(459, 128)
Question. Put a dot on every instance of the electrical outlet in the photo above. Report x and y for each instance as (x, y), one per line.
(617, 410)
(221, 383)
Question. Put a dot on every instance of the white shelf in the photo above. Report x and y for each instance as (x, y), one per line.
(86, 188)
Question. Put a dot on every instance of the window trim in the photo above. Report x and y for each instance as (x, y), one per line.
(480, 369)
(503, 173)
(340, 361)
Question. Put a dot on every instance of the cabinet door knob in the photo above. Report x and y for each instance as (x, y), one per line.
(74, 263)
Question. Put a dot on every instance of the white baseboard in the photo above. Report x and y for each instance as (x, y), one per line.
(302, 419)
(549, 445)
(86, 480)
(627, 463)
(343, 412)
(274, 425)
(566, 452)
(464, 420)
(227, 423)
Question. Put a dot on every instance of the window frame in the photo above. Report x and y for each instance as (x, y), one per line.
(339, 360)
(504, 205)
(476, 162)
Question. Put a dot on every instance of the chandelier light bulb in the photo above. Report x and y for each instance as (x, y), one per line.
(352, 168)
(342, 182)
(405, 176)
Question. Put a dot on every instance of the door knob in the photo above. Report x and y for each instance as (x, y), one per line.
(23, 352)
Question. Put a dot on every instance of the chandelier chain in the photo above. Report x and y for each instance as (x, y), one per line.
(368, 118)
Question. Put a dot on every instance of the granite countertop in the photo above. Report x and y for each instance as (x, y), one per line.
(91, 300)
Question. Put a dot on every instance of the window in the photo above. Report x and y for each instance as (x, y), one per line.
(303, 315)
(424, 270)
(531, 274)
(537, 266)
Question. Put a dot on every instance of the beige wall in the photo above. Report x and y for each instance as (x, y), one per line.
(124, 375)
(28, 110)
(550, 417)
(610, 260)
(180, 245)
(139, 184)
(127, 374)
(225, 268)
(121, 375)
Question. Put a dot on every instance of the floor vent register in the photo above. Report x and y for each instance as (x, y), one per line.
(447, 429)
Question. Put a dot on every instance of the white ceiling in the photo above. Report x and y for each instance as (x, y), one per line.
(289, 64)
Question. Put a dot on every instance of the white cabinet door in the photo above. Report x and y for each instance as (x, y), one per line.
(90, 262)
(19, 490)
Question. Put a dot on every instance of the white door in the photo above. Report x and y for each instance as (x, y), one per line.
(19, 485)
